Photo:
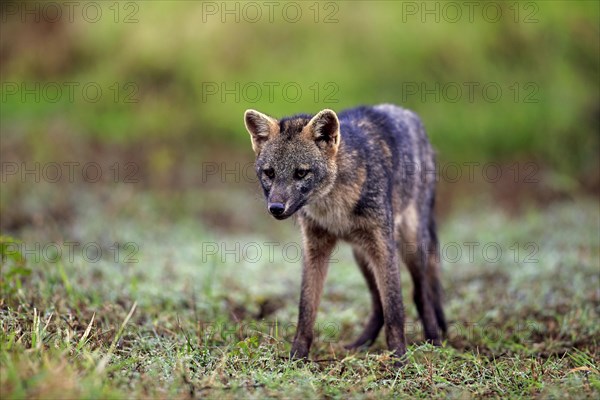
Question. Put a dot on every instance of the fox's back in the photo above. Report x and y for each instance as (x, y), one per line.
(391, 142)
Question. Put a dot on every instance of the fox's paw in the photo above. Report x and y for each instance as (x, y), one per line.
(299, 351)
(369, 334)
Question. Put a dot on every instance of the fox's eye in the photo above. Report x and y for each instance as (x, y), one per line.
(269, 173)
(300, 173)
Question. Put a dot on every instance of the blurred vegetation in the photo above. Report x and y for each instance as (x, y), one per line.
(167, 62)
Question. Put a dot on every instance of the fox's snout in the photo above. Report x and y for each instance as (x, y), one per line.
(276, 209)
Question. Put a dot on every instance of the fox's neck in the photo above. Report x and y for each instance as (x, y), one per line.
(332, 210)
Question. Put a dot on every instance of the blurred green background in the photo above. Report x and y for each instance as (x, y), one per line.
(165, 84)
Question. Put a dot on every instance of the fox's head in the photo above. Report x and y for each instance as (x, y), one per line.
(295, 158)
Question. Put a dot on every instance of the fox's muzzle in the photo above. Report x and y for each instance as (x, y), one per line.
(276, 209)
(284, 210)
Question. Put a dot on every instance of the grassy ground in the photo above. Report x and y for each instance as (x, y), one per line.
(180, 310)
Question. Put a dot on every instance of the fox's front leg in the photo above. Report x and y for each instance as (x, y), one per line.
(318, 245)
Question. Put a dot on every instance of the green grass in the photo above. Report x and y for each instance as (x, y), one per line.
(183, 322)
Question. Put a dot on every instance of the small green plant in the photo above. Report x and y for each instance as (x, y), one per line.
(13, 265)
(247, 347)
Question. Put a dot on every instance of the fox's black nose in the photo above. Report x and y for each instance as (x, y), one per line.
(276, 208)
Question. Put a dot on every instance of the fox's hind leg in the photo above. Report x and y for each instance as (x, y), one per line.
(433, 276)
(378, 246)
(375, 321)
(419, 252)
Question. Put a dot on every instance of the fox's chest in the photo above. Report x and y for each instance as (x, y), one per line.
(333, 217)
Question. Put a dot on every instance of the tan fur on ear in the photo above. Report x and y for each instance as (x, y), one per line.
(324, 128)
(261, 128)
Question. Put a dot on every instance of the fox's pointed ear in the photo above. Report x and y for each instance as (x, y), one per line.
(261, 128)
(325, 130)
